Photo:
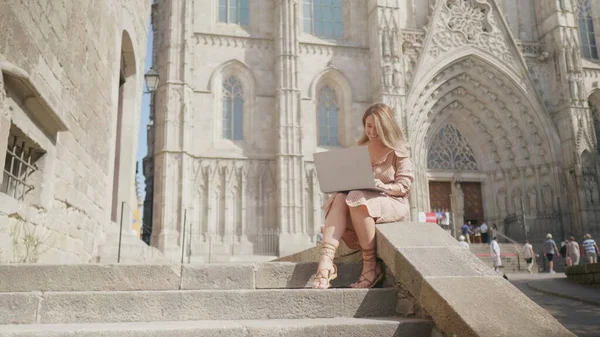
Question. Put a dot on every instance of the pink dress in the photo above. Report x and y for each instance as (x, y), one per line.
(391, 169)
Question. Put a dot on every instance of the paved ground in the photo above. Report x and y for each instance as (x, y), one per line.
(563, 300)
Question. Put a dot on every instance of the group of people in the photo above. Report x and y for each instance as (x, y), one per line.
(478, 234)
(570, 250)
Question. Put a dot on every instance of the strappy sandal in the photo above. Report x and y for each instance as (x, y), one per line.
(369, 255)
(327, 250)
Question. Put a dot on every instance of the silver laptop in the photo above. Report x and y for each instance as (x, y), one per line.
(345, 170)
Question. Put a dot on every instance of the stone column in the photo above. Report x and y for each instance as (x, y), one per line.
(569, 110)
(290, 163)
(172, 115)
(387, 64)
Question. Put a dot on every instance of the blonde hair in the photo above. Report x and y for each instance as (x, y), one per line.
(387, 127)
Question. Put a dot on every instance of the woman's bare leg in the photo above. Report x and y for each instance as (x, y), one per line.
(334, 228)
(364, 225)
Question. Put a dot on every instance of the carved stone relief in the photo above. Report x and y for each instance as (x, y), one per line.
(239, 204)
(469, 22)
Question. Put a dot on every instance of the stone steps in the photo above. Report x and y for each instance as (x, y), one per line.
(186, 305)
(318, 327)
(265, 299)
(136, 277)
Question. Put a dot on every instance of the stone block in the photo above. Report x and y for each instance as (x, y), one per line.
(405, 307)
(18, 308)
(218, 276)
(327, 327)
(281, 275)
(597, 278)
(436, 262)
(589, 278)
(413, 234)
(370, 303)
(575, 270)
(185, 305)
(460, 306)
(592, 268)
(88, 277)
(456, 289)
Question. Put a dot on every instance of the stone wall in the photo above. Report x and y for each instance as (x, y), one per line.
(588, 274)
(67, 55)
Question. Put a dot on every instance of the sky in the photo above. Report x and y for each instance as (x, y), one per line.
(142, 142)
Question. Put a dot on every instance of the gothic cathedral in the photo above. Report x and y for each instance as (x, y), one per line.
(497, 99)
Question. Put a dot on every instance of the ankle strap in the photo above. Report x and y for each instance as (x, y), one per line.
(328, 250)
(369, 255)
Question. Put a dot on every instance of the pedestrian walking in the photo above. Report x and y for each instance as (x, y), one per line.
(550, 250)
(573, 254)
(590, 249)
(495, 252)
(528, 254)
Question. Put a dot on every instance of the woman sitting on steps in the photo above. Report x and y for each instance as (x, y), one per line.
(352, 216)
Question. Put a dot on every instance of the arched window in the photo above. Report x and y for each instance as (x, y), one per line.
(328, 118)
(234, 11)
(323, 18)
(589, 46)
(233, 109)
(450, 151)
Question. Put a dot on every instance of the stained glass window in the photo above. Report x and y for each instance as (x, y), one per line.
(587, 34)
(233, 109)
(323, 18)
(234, 11)
(328, 118)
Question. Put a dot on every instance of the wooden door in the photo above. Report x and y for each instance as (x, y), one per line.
(473, 202)
(439, 195)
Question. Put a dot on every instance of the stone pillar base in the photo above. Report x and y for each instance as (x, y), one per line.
(292, 243)
(168, 243)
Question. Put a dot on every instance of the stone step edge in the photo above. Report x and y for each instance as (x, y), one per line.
(113, 307)
(174, 326)
(132, 277)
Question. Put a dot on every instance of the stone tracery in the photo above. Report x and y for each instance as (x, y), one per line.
(449, 150)
(468, 22)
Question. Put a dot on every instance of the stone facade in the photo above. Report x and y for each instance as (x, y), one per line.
(72, 75)
(244, 83)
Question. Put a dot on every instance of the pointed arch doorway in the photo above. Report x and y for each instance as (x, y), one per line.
(454, 180)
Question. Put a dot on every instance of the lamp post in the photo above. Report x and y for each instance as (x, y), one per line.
(151, 78)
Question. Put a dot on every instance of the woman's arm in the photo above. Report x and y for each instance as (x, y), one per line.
(403, 178)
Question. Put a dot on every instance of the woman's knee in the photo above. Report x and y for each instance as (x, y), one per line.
(339, 202)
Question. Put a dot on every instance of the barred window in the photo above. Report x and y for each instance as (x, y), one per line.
(233, 109)
(328, 118)
(21, 172)
(323, 18)
(234, 11)
(587, 34)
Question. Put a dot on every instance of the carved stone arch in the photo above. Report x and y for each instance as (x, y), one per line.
(455, 114)
(454, 103)
(587, 160)
(246, 77)
(339, 83)
(427, 90)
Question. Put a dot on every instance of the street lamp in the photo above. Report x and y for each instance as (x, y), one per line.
(151, 78)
